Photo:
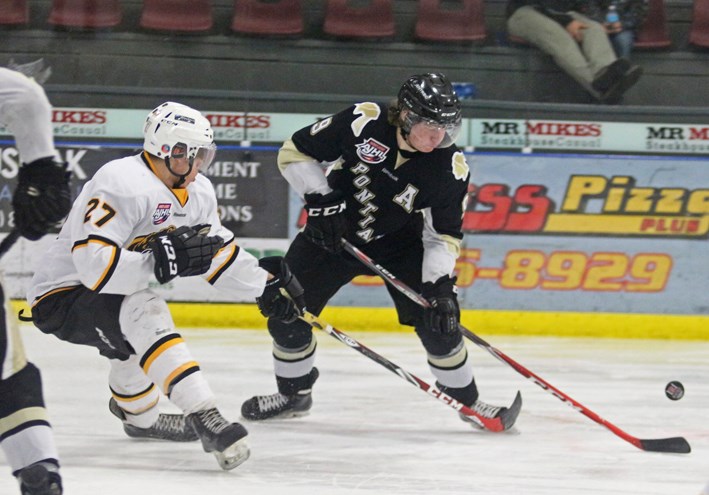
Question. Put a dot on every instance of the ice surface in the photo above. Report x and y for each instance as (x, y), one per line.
(370, 432)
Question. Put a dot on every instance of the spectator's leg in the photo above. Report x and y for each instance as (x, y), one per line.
(551, 38)
(595, 45)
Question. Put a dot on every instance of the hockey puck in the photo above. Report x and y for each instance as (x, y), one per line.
(674, 390)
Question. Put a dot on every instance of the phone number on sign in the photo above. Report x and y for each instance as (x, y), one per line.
(528, 269)
(570, 270)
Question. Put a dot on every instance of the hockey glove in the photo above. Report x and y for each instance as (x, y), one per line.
(183, 252)
(42, 197)
(444, 314)
(273, 303)
(326, 223)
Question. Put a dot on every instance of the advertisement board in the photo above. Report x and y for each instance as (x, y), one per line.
(79, 124)
(571, 232)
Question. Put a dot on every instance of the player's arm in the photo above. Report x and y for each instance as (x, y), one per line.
(443, 220)
(442, 235)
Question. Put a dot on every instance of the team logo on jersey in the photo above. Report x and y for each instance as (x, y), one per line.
(372, 151)
(162, 213)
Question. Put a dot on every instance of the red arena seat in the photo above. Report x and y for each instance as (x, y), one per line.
(699, 29)
(182, 16)
(345, 19)
(653, 31)
(88, 14)
(436, 22)
(14, 12)
(279, 17)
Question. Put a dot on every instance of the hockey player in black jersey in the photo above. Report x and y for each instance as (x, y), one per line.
(396, 188)
(41, 199)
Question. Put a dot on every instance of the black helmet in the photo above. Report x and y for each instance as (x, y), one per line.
(431, 97)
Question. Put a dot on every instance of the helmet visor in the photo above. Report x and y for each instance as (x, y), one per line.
(452, 129)
(200, 156)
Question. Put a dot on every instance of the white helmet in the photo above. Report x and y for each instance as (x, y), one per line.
(176, 130)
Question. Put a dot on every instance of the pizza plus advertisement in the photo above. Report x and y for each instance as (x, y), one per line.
(584, 233)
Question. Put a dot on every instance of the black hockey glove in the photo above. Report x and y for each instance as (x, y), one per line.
(273, 303)
(444, 314)
(326, 223)
(42, 197)
(184, 252)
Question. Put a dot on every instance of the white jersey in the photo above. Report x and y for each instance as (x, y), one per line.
(25, 110)
(102, 243)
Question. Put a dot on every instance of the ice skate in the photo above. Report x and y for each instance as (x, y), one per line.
(279, 405)
(507, 415)
(227, 441)
(171, 427)
(39, 479)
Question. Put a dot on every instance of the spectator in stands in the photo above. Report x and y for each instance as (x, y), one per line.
(622, 32)
(578, 44)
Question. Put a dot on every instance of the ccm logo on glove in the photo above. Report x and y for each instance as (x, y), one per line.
(170, 256)
(327, 211)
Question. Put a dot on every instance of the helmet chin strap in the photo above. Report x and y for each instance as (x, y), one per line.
(181, 177)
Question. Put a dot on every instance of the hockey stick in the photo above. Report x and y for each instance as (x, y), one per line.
(502, 422)
(677, 445)
(9, 241)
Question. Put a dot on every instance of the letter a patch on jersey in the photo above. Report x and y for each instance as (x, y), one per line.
(372, 151)
(162, 213)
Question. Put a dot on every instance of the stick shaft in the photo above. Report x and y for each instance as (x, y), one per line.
(9, 241)
(676, 444)
(492, 424)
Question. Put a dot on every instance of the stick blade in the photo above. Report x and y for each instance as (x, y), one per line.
(509, 416)
(675, 445)
(503, 421)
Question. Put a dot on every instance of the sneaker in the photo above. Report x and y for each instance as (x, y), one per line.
(38, 479)
(610, 75)
(227, 441)
(172, 427)
(624, 83)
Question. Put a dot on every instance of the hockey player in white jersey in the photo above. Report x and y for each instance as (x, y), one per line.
(41, 199)
(140, 218)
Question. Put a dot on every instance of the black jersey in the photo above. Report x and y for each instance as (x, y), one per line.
(385, 187)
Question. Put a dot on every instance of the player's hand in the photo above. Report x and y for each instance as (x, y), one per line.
(183, 252)
(326, 224)
(42, 197)
(273, 303)
(444, 314)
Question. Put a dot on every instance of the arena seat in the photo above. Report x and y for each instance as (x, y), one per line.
(699, 28)
(14, 12)
(653, 32)
(350, 19)
(264, 17)
(181, 16)
(464, 22)
(86, 14)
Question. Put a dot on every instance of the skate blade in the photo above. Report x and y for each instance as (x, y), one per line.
(234, 455)
(472, 421)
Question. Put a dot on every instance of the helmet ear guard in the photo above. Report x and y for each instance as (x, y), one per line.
(431, 99)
